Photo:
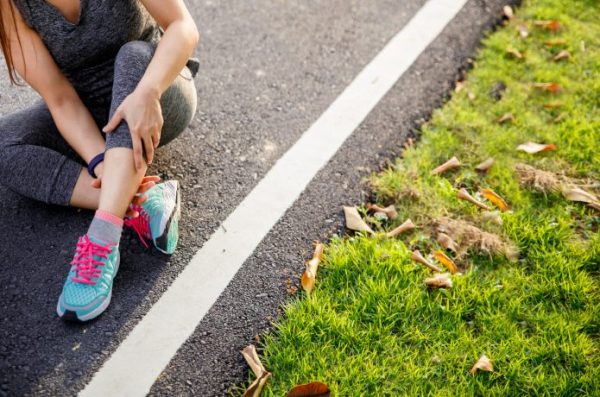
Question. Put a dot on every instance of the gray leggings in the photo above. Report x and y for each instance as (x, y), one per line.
(36, 162)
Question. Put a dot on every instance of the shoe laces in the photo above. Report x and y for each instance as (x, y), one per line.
(140, 224)
(86, 266)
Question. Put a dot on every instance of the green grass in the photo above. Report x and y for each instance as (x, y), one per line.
(371, 327)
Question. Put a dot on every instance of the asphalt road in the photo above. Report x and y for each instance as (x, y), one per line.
(269, 69)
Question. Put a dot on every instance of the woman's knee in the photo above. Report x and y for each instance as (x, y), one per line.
(133, 59)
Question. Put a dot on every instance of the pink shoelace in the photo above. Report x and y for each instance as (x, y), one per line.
(85, 262)
(140, 225)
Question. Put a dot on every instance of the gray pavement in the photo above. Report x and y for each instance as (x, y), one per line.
(269, 69)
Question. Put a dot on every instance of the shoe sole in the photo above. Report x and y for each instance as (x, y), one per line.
(167, 242)
(72, 316)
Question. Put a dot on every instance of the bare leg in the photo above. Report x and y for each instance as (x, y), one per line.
(120, 181)
(84, 195)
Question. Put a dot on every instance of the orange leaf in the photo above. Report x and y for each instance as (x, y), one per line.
(551, 25)
(532, 147)
(313, 389)
(310, 274)
(483, 364)
(446, 261)
(549, 87)
(495, 198)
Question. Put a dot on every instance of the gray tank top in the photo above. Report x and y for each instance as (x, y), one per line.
(85, 51)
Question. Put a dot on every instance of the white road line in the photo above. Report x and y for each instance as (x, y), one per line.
(138, 361)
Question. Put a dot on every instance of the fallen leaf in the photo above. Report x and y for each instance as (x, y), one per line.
(508, 12)
(354, 221)
(564, 54)
(464, 195)
(417, 257)
(310, 274)
(555, 42)
(560, 117)
(448, 165)
(471, 95)
(495, 198)
(313, 389)
(549, 87)
(439, 281)
(459, 86)
(513, 52)
(447, 242)
(262, 375)
(389, 211)
(523, 30)
(406, 226)
(551, 25)
(485, 165)
(532, 147)
(579, 195)
(595, 206)
(483, 364)
(552, 105)
(446, 261)
(505, 118)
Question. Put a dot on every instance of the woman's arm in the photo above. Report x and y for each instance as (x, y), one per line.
(141, 109)
(36, 66)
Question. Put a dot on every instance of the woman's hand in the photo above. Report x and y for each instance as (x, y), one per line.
(146, 184)
(142, 112)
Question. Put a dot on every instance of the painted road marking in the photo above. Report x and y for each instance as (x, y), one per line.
(142, 356)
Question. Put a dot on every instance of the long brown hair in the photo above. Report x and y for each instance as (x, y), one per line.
(5, 43)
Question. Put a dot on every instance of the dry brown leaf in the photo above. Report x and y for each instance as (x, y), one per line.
(389, 211)
(439, 281)
(406, 226)
(505, 118)
(495, 198)
(460, 85)
(508, 12)
(448, 165)
(464, 195)
(542, 181)
(471, 95)
(310, 274)
(262, 375)
(552, 105)
(549, 87)
(492, 216)
(532, 147)
(483, 364)
(595, 206)
(313, 389)
(417, 257)
(513, 52)
(579, 195)
(485, 165)
(555, 42)
(523, 30)
(551, 25)
(447, 242)
(564, 54)
(468, 236)
(355, 222)
(446, 261)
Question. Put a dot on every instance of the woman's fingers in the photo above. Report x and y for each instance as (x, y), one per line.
(150, 178)
(138, 157)
(156, 137)
(114, 121)
(149, 148)
(139, 200)
(143, 188)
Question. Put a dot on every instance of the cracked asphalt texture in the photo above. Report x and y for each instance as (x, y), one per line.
(269, 69)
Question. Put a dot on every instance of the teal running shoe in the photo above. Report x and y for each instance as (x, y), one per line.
(159, 217)
(88, 289)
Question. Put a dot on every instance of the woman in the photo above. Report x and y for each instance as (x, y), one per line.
(116, 82)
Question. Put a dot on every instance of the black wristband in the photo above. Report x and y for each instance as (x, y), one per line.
(94, 163)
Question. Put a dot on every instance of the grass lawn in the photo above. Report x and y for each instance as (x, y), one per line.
(372, 328)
